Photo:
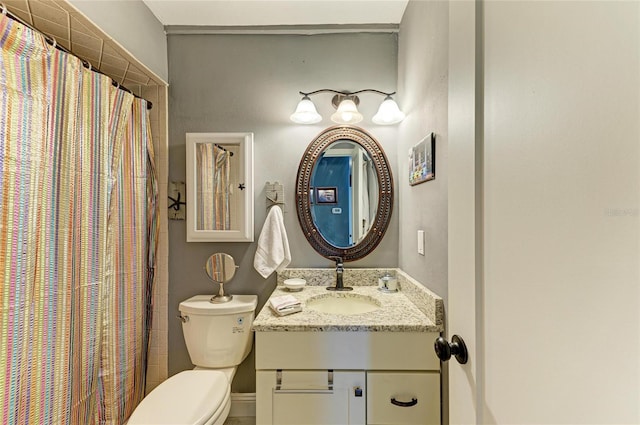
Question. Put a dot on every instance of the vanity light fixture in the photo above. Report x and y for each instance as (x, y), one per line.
(346, 104)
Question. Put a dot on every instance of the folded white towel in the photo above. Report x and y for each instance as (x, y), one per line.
(285, 304)
(273, 245)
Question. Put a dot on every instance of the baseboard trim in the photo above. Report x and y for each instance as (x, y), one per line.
(243, 404)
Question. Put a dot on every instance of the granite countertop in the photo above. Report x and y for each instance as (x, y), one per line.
(396, 314)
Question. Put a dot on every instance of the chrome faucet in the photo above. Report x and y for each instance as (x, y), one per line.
(339, 282)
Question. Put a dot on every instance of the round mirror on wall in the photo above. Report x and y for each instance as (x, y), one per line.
(344, 193)
(221, 268)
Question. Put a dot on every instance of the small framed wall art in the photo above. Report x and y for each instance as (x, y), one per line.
(326, 195)
(176, 203)
(422, 160)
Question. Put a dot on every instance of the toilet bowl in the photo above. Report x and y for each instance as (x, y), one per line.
(218, 338)
(194, 397)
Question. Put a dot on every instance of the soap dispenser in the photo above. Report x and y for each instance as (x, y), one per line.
(388, 283)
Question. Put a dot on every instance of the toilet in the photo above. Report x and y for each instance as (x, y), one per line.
(218, 338)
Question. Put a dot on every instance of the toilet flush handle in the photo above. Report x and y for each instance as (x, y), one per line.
(184, 319)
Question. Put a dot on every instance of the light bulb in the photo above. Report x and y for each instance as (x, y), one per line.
(347, 113)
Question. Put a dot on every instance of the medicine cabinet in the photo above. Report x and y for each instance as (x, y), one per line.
(219, 187)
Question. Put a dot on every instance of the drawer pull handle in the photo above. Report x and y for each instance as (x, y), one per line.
(302, 391)
(279, 389)
(413, 402)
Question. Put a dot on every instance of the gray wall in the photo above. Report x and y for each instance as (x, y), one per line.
(224, 83)
(422, 87)
(131, 23)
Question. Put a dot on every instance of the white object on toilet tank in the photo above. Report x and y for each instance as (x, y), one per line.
(218, 335)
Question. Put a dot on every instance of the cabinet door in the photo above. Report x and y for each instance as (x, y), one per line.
(306, 397)
(403, 398)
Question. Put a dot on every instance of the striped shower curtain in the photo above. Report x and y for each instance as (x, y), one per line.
(212, 186)
(134, 229)
(63, 333)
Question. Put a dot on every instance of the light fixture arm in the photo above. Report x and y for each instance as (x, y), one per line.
(347, 93)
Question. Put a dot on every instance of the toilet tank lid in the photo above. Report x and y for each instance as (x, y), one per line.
(200, 304)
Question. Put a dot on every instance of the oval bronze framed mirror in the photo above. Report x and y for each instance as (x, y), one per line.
(344, 193)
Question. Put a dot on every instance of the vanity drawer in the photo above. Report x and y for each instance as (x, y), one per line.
(294, 397)
(403, 398)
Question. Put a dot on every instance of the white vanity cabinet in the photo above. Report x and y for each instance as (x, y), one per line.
(342, 377)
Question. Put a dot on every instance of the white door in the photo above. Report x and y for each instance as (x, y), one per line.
(462, 155)
(544, 211)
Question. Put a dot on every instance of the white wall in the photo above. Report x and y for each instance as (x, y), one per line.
(562, 212)
(131, 23)
(422, 94)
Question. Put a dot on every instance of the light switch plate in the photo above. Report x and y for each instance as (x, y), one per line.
(421, 242)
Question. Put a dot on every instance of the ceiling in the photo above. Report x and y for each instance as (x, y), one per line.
(276, 12)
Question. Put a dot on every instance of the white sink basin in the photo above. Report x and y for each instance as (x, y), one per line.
(345, 304)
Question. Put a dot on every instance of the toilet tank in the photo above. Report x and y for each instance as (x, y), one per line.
(218, 335)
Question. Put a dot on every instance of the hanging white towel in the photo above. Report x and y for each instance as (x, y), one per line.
(273, 246)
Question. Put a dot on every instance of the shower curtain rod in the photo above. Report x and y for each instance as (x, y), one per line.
(52, 41)
(224, 149)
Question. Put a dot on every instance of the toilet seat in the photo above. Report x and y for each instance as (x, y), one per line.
(192, 397)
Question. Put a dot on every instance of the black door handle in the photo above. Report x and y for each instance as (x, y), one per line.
(457, 347)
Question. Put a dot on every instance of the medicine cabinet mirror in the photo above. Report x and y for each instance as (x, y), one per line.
(219, 187)
(344, 193)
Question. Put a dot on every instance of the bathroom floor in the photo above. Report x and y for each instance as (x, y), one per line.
(246, 420)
